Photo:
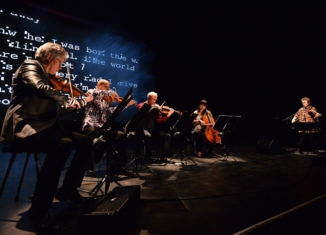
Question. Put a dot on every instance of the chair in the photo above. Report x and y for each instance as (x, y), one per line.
(14, 150)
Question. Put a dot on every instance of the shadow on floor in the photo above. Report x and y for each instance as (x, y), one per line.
(209, 197)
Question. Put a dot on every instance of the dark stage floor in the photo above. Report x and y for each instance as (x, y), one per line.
(256, 194)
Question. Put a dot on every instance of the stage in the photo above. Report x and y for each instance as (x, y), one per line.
(247, 193)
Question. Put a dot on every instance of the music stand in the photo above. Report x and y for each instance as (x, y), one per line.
(184, 124)
(103, 140)
(142, 117)
(137, 123)
(225, 124)
(307, 126)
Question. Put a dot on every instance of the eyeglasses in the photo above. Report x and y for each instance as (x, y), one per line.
(59, 61)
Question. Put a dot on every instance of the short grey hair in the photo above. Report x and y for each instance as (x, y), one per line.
(152, 93)
(52, 49)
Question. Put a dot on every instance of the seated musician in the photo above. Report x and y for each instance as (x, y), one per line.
(307, 113)
(199, 128)
(97, 113)
(32, 121)
(152, 130)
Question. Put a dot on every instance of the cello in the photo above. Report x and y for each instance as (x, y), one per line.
(211, 134)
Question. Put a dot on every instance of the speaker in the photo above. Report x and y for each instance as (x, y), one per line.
(115, 201)
(112, 214)
(269, 145)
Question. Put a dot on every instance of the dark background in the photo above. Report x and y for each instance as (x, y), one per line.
(256, 59)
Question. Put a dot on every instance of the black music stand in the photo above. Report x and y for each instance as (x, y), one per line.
(103, 141)
(137, 123)
(224, 125)
(183, 125)
(307, 126)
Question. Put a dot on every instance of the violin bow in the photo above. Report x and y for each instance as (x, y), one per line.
(68, 72)
(162, 105)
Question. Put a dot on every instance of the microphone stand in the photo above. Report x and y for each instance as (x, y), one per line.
(287, 118)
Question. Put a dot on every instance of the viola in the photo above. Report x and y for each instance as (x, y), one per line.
(211, 134)
(63, 85)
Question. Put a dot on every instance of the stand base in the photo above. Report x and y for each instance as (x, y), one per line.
(225, 157)
(138, 166)
(226, 154)
(184, 158)
(98, 188)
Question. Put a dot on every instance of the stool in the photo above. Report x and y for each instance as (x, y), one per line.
(14, 151)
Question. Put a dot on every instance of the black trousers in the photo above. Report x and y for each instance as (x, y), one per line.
(115, 141)
(118, 144)
(150, 135)
(308, 142)
(58, 144)
(201, 141)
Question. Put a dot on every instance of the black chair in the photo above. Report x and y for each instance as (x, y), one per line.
(14, 150)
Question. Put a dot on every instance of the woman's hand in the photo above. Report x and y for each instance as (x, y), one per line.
(89, 97)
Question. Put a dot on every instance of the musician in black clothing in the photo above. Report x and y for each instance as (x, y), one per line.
(32, 121)
(199, 129)
(152, 131)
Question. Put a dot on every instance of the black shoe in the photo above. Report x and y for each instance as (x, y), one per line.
(149, 160)
(165, 159)
(211, 154)
(118, 168)
(69, 194)
(42, 222)
(90, 173)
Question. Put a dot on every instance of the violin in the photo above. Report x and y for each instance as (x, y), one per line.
(114, 97)
(211, 134)
(63, 85)
(166, 109)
